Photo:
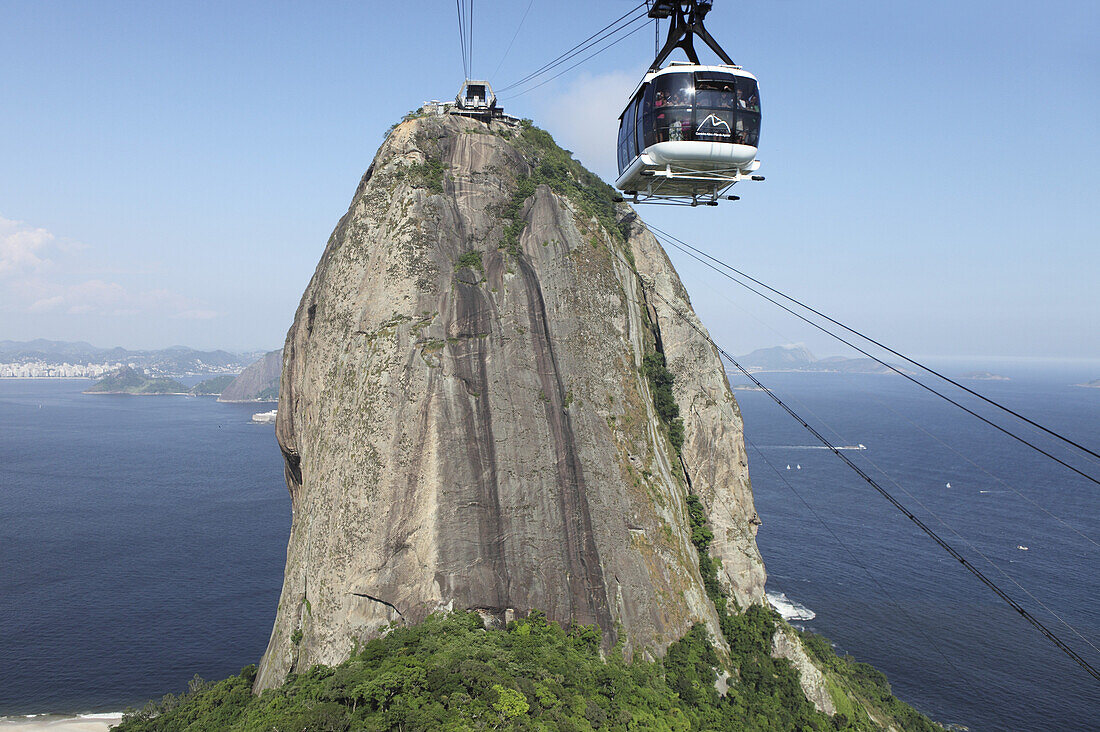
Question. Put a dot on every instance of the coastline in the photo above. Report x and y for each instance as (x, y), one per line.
(247, 401)
(97, 722)
(145, 393)
(48, 378)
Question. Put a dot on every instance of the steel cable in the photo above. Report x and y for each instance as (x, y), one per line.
(579, 48)
(943, 544)
(586, 58)
(672, 241)
(886, 348)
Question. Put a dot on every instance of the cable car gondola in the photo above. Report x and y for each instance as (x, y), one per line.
(689, 130)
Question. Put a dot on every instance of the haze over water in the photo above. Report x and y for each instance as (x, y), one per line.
(144, 539)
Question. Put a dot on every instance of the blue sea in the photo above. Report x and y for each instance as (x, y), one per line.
(142, 541)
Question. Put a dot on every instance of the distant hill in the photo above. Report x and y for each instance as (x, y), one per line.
(799, 358)
(850, 365)
(176, 360)
(257, 383)
(983, 376)
(779, 358)
(1094, 384)
(131, 381)
(214, 386)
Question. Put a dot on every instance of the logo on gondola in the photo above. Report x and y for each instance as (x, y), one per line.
(713, 126)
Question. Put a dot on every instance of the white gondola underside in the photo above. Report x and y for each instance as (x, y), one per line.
(687, 171)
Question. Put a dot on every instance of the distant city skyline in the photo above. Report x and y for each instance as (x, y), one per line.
(170, 174)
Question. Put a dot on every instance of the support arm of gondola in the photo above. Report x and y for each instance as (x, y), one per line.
(686, 23)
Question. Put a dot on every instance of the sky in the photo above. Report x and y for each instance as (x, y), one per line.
(170, 173)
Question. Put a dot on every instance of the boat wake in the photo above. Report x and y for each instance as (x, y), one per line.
(860, 446)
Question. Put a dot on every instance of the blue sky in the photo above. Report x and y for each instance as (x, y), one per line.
(169, 173)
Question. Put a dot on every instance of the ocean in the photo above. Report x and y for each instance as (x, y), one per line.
(884, 592)
(143, 541)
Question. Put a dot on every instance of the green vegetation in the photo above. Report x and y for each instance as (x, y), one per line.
(428, 174)
(449, 673)
(525, 188)
(556, 168)
(769, 692)
(414, 114)
(471, 259)
(214, 386)
(131, 381)
(863, 682)
(660, 384)
(269, 394)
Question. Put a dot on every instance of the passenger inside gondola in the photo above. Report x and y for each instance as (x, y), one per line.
(708, 106)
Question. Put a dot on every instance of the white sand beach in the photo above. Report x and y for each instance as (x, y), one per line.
(61, 723)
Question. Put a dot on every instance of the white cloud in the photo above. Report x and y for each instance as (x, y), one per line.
(584, 117)
(98, 297)
(22, 247)
(41, 277)
(90, 296)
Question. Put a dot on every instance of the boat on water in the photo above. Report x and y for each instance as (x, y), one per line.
(265, 417)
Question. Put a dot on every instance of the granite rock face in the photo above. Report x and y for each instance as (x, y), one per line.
(258, 382)
(464, 418)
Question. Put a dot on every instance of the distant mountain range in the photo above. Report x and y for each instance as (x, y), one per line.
(257, 383)
(799, 358)
(173, 361)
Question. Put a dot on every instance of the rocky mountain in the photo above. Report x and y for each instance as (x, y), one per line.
(464, 416)
(257, 383)
(496, 397)
(134, 381)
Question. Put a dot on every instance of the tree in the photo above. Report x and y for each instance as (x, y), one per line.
(510, 703)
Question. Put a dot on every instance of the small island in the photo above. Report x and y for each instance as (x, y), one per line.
(984, 376)
(128, 380)
(1094, 384)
